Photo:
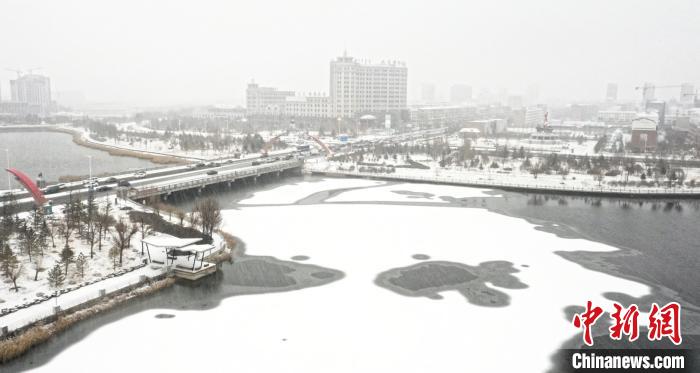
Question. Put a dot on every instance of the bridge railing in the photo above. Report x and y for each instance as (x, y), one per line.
(146, 191)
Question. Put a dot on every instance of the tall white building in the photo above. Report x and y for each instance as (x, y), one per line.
(33, 90)
(687, 93)
(357, 88)
(534, 116)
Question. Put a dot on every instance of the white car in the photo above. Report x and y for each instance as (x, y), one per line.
(92, 180)
(140, 174)
(92, 184)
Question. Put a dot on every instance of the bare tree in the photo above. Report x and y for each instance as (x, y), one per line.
(209, 215)
(122, 237)
(104, 223)
(37, 265)
(180, 214)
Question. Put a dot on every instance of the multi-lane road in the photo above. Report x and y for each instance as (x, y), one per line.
(109, 185)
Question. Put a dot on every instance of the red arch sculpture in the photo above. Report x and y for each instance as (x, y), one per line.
(325, 147)
(28, 184)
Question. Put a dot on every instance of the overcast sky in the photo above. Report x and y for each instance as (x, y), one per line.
(179, 52)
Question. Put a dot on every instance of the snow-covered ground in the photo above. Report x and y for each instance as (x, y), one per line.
(353, 325)
(561, 147)
(515, 177)
(97, 268)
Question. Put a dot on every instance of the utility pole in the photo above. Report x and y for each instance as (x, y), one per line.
(90, 165)
(9, 179)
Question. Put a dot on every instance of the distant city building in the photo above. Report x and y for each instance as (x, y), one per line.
(583, 112)
(658, 107)
(486, 126)
(644, 135)
(528, 117)
(617, 117)
(460, 94)
(11, 108)
(358, 88)
(648, 92)
(427, 93)
(611, 92)
(220, 112)
(687, 93)
(265, 100)
(33, 90)
(311, 106)
(440, 116)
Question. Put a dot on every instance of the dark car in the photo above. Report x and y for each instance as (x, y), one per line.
(126, 208)
(124, 183)
(104, 188)
(52, 189)
(255, 163)
(110, 180)
(212, 172)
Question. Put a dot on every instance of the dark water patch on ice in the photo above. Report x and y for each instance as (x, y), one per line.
(420, 256)
(164, 316)
(411, 194)
(300, 258)
(323, 275)
(428, 279)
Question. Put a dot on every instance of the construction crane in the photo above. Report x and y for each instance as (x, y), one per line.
(648, 86)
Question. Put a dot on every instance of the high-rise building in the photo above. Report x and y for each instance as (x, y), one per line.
(265, 100)
(611, 92)
(687, 93)
(33, 90)
(460, 94)
(358, 88)
(427, 93)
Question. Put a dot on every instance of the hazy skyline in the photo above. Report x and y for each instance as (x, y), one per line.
(179, 52)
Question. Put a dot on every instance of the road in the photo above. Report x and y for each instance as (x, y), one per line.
(158, 176)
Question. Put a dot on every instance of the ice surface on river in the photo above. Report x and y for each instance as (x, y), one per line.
(354, 325)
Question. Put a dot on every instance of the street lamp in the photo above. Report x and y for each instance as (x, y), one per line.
(9, 179)
(90, 166)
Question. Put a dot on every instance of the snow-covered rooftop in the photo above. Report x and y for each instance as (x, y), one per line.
(166, 240)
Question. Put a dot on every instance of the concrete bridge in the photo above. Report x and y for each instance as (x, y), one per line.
(201, 180)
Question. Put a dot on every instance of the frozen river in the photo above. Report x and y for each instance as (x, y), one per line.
(345, 275)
